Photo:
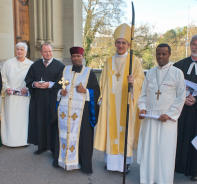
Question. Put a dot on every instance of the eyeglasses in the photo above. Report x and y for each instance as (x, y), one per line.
(194, 44)
(119, 42)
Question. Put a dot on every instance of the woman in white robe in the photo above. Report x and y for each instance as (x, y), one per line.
(15, 108)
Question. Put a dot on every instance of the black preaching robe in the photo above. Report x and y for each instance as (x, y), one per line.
(40, 131)
(0, 90)
(87, 131)
(186, 155)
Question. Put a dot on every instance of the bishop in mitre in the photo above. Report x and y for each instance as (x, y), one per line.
(77, 114)
(163, 95)
(110, 132)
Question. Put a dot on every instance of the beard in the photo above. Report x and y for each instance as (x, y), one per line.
(193, 53)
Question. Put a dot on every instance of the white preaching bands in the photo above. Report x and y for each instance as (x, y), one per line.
(191, 67)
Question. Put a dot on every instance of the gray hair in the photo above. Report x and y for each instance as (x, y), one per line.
(193, 39)
(22, 44)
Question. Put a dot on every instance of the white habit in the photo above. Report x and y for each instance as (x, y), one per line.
(14, 109)
(157, 140)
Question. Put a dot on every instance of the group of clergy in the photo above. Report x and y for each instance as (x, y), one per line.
(56, 107)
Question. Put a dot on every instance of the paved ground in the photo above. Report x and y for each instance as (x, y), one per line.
(21, 166)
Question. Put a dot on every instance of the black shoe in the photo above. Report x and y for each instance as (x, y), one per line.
(127, 169)
(38, 152)
(193, 178)
(105, 167)
(44, 150)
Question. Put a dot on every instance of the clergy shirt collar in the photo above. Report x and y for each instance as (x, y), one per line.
(165, 66)
(193, 59)
(124, 55)
(49, 62)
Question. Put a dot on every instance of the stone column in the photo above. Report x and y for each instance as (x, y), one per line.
(6, 31)
(48, 20)
(40, 39)
(72, 25)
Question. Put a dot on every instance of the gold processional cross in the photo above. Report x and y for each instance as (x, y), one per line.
(64, 83)
(72, 148)
(118, 75)
(158, 93)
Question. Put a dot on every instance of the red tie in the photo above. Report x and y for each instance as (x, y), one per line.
(45, 63)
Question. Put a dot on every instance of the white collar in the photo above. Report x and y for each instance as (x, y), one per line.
(48, 61)
(165, 66)
(124, 55)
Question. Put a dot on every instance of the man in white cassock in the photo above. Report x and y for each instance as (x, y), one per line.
(163, 95)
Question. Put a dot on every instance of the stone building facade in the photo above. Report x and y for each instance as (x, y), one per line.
(58, 22)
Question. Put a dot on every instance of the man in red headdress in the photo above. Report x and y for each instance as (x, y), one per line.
(76, 115)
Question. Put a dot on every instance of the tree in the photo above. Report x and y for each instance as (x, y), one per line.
(177, 39)
(144, 44)
(102, 48)
(169, 36)
(99, 16)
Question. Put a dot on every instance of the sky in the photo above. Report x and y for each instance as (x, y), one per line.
(163, 14)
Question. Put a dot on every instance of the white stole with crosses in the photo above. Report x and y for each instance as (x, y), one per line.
(70, 113)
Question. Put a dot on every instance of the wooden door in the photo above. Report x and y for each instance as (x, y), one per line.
(21, 22)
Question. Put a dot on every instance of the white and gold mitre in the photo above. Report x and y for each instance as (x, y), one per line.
(123, 31)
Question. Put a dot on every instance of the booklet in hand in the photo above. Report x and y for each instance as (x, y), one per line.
(18, 92)
(191, 88)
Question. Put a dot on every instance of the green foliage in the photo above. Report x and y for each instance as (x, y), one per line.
(148, 60)
(99, 17)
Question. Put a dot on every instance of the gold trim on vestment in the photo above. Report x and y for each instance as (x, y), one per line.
(112, 112)
(70, 100)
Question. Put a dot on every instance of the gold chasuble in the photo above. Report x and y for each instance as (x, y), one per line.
(110, 132)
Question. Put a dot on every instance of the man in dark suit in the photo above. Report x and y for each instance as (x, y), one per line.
(40, 80)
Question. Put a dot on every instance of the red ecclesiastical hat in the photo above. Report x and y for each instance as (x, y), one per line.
(76, 50)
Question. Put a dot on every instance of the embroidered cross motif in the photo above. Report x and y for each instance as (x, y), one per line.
(63, 115)
(72, 148)
(64, 82)
(74, 116)
(63, 146)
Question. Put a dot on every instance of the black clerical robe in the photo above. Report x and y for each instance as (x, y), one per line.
(186, 155)
(85, 149)
(40, 131)
(0, 90)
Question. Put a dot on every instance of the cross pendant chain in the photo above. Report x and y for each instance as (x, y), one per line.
(118, 75)
(158, 93)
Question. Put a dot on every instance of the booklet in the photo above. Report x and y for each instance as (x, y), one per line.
(154, 117)
(194, 142)
(18, 92)
(191, 88)
(150, 116)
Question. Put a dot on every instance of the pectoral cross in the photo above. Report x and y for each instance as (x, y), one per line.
(118, 75)
(64, 83)
(158, 93)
